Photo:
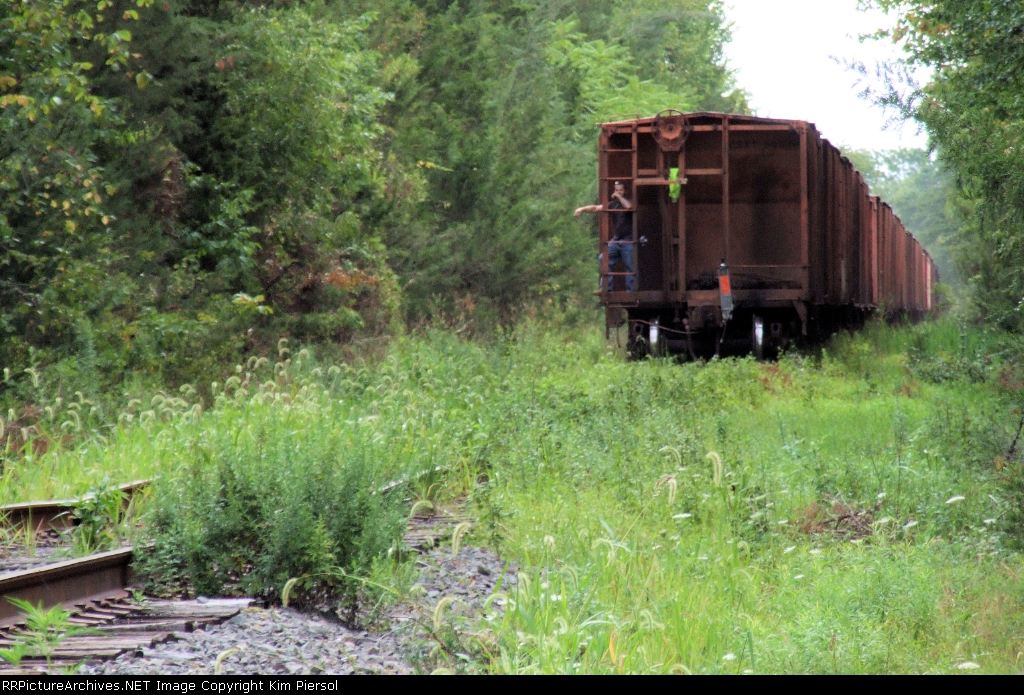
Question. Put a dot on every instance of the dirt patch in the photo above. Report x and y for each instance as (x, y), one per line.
(838, 517)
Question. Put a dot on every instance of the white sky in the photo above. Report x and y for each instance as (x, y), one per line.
(781, 51)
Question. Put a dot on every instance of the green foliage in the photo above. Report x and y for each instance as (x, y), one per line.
(98, 517)
(861, 513)
(972, 109)
(54, 214)
(282, 486)
(44, 631)
(205, 157)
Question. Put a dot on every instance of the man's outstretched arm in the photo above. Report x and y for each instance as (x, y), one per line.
(588, 208)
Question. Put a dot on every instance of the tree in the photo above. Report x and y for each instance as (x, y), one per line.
(972, 109)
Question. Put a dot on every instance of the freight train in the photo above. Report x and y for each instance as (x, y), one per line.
(748, 235)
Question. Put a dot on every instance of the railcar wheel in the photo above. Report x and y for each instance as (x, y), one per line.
(757, 338)
(637, 346)
(656, 340)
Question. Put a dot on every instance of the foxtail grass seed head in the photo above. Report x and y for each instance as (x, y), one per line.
(287, 590)
(420, 507)
(674, 452)
(218, 665)
(717, 467)
(439, 612)
(670, 482)
(457, 535)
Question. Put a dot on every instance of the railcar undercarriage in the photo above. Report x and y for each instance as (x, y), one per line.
(763, 332)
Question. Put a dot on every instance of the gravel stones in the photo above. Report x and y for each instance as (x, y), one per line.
(273, 641)
(48, 547)
(279, 641)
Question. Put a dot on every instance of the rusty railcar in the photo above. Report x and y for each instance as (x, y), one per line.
(748, 234)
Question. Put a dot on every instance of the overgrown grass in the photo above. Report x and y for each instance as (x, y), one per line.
(856, 516)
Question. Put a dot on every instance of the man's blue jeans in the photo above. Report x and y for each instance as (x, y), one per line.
(616, 253)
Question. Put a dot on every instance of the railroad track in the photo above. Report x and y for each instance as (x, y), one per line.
(58, 514)
(96, 591)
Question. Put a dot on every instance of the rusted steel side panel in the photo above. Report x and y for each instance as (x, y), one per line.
(836, 226)
(895, 240)
(882, 275)
(890, 299)
(816, 217)
(899, 243)
(926, 263)
(851, 251)
(901, 265)
(840, 232)
(904, 271)
(804, 208)
(919, 293)
(705, 241)
(911, 272)
(603, 222)
(680, 270)
(864, 245)
(908, 269)
(929, 268)
(726, 219)
(766, 246)
(925, 271)
(886, 254)
(915, 272)
(850, 267)
(828, 222)
(874, 251)
(829, 201)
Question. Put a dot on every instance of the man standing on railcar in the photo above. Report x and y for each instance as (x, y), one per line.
(620, 246)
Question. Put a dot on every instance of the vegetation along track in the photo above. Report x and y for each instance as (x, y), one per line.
(104, 620)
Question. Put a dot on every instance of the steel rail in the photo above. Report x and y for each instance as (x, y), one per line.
(56, 514)
(69, 583)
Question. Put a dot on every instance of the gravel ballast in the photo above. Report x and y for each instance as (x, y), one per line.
(284, 641)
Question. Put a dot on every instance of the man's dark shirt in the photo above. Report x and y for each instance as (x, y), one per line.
(622, 222)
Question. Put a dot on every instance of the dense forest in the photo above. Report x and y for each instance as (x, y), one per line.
(184, 182)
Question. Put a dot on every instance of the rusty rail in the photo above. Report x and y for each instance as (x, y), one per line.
(56, 514)
(69, 583)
